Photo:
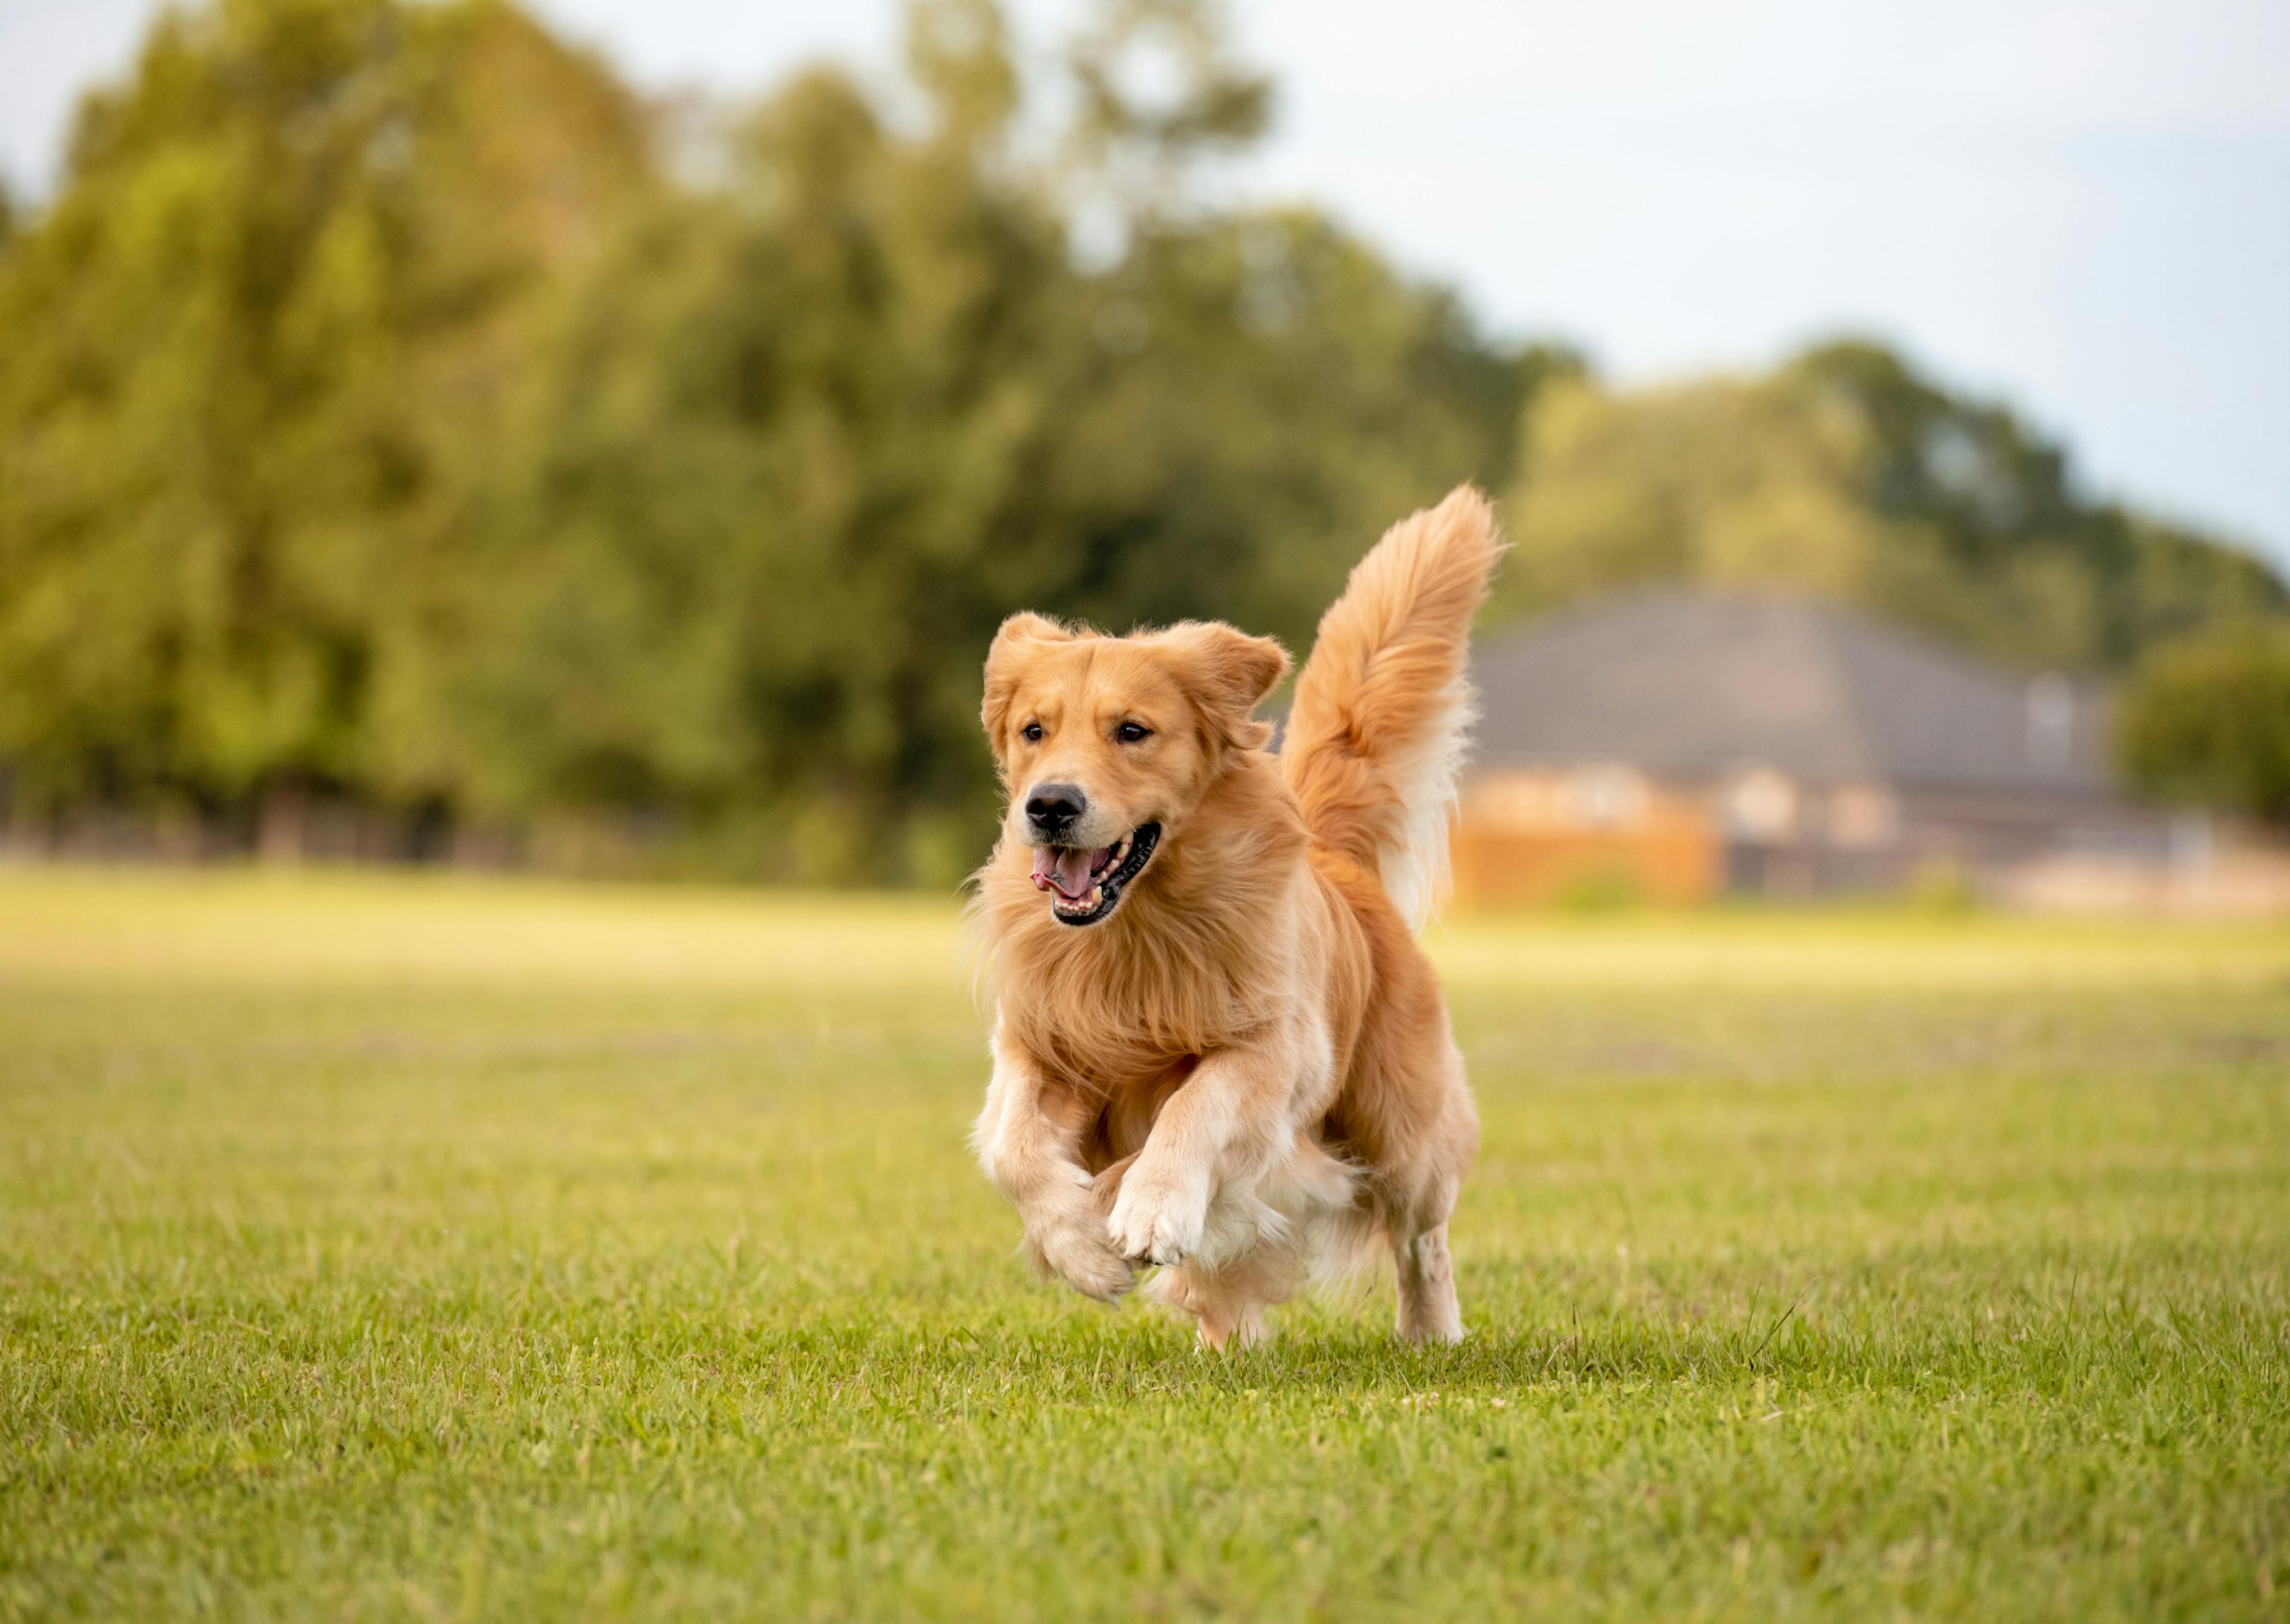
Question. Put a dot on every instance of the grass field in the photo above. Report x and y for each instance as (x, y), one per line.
(430, 1248)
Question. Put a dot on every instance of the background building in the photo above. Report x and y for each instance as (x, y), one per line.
(1677, 745)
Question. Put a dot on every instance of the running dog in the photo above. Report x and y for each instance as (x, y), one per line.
(1217, 1047)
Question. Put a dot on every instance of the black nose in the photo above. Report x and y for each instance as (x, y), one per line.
(1052, 809)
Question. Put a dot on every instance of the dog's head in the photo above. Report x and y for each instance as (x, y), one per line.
(1105, 745)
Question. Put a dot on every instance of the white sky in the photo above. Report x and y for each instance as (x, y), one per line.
(2082, 206)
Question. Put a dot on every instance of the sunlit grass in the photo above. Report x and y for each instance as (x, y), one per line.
(431, 1247)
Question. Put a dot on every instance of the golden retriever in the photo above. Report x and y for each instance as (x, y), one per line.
(1217, 1047)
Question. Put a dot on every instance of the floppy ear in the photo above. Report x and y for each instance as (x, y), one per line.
(1001, 666)
(1229, 672)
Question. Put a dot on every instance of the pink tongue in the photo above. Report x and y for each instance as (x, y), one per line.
(1068, 869)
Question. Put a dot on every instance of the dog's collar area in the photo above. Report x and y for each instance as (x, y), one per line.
(1101, 874)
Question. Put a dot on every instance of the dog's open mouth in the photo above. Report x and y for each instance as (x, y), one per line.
(1085, 882)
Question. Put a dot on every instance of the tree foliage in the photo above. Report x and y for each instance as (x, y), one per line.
(2207, 720)
(251, 351)
(392, 410)
(1846, 475)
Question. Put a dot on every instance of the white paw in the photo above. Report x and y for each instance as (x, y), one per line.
(1158, 1219)
(1077, 1254)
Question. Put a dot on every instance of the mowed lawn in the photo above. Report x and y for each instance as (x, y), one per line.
(432, 1248)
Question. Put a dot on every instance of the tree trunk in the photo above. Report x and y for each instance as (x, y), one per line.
(282, 833)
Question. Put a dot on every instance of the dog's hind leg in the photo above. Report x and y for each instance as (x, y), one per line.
(1227, 1304)
(1232, 1314)
(1416, 1207)
(1428, 1309)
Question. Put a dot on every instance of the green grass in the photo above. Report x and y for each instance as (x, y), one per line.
(436, 1248)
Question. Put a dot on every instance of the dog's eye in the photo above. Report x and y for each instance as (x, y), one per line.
(1131, 733)
(1031, 733)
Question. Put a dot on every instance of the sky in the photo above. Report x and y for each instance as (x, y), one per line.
(2078, 207)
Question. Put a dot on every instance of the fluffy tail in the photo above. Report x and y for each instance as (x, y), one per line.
(1377, 732)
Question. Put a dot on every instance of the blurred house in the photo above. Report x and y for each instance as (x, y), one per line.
(1675, 745)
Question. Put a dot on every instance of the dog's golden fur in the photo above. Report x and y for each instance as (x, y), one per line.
(1244, 1067)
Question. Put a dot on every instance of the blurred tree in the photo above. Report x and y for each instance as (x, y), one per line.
(765, 486)
(1844, 475)
(253, 349)
(380, 416)
(1260, 394)
(2206, 721)
(809, 436)
(2097, 582)
(1160, 92)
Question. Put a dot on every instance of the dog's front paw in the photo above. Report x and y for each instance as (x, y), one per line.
(1157, 1218)
(1077, 1254)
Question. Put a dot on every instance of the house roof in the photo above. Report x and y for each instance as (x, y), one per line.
(1694, 685)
